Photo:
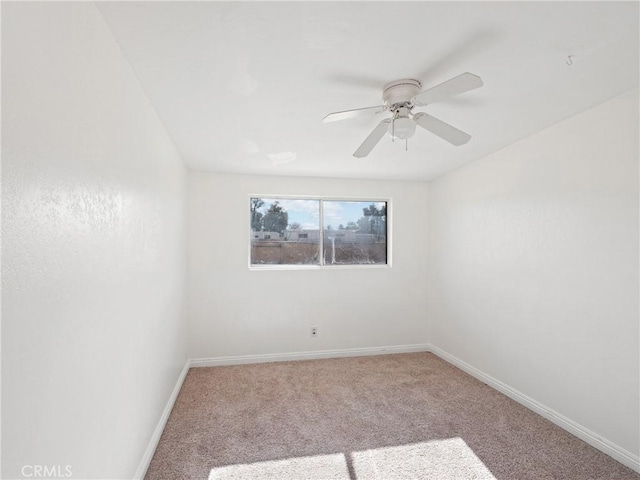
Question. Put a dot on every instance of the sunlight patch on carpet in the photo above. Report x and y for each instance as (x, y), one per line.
(448, 459)
(320, 467)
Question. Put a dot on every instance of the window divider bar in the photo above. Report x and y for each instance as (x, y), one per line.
(321, 224)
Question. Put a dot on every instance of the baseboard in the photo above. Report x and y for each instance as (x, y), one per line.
(313, 355)
(618, 453)
(157, 433)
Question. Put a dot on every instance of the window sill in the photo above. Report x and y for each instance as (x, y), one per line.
(274, 267)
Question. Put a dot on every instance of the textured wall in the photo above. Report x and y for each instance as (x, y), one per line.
(235, 311)
(93, 246)
(533, 273)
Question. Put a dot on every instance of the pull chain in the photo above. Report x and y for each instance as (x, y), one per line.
(393, 127)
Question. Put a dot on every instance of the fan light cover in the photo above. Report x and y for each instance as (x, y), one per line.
(402, 128)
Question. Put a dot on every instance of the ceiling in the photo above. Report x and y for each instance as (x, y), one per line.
(242, 87)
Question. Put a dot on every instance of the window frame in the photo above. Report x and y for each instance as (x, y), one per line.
(320, 266)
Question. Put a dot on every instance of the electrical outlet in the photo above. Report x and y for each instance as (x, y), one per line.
(314, 331)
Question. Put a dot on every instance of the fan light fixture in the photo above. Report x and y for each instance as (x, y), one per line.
(402, 128)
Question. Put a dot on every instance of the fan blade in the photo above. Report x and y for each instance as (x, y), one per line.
(358, 112)
(457, 85)
(441, 129)
(373, 139)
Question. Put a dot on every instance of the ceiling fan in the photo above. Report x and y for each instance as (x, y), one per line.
(400, 97)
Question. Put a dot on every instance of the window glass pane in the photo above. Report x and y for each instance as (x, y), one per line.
(284, 231)
(355, 233)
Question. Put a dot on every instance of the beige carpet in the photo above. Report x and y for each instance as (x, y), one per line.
(409, 416)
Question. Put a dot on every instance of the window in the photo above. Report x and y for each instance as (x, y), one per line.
(302, 231)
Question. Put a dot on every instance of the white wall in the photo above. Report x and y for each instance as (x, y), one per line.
(93, 248)
(533, 274)
(235, 311)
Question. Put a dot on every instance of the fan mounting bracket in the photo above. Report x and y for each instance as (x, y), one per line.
(400, 92)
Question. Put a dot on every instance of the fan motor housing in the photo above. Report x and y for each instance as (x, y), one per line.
(400, 91)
